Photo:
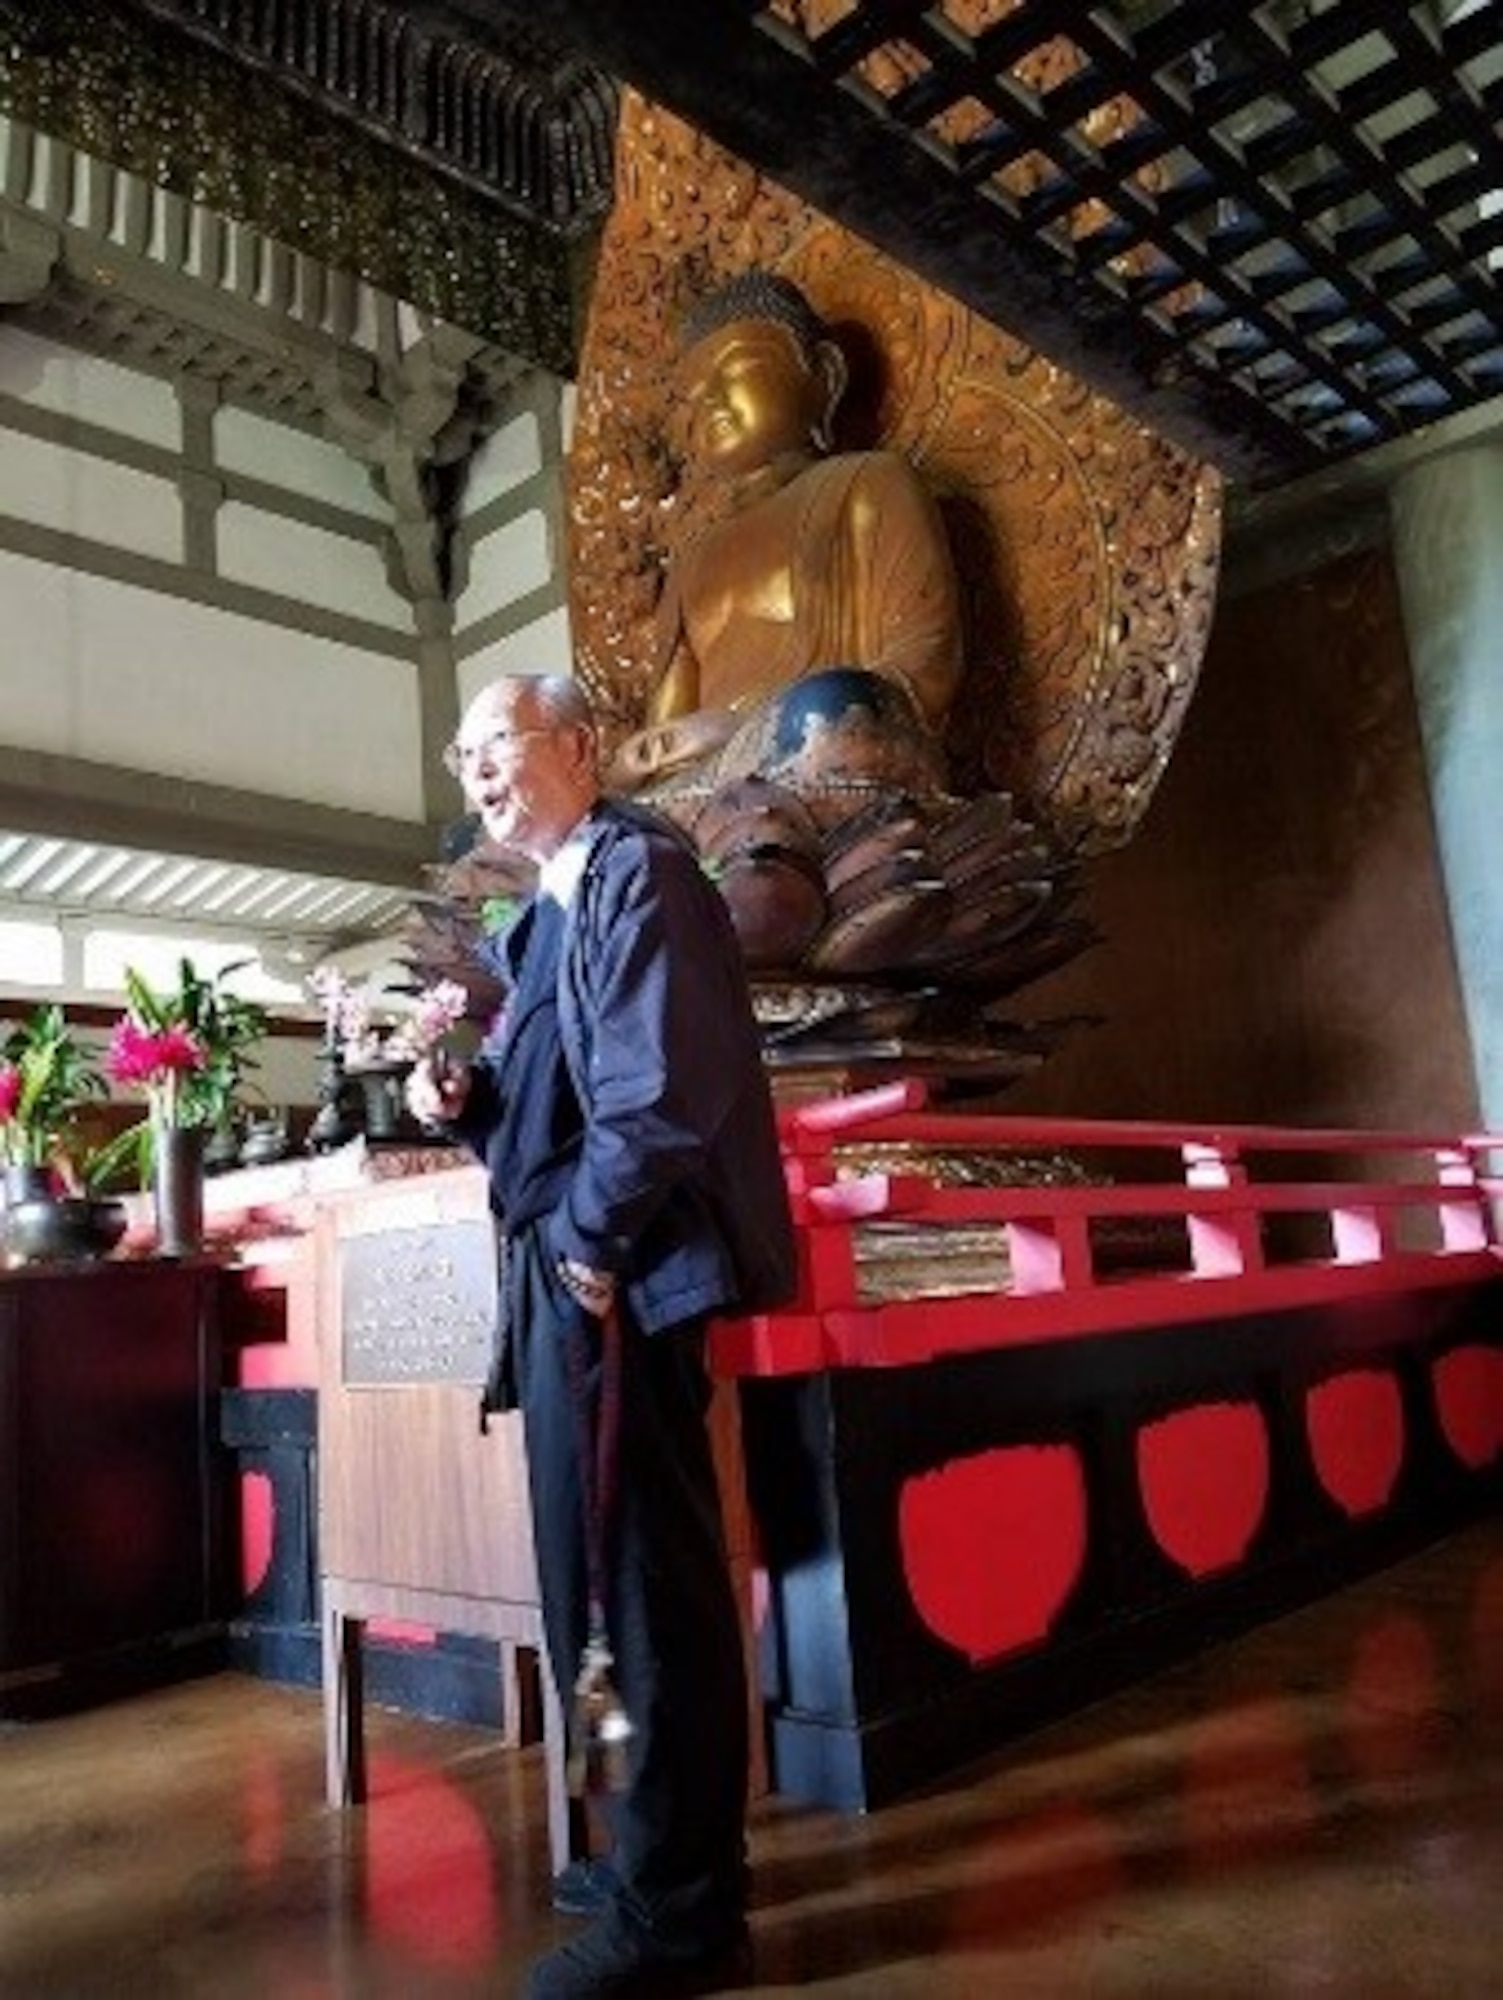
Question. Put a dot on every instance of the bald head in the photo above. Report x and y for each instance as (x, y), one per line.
(528, 757)
(535, 700)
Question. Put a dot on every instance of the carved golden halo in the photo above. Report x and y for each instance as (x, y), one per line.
(1087, 547)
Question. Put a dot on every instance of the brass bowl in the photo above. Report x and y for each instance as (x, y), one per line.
(62, 1229)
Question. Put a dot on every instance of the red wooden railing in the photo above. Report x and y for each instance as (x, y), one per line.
(1216, 1200)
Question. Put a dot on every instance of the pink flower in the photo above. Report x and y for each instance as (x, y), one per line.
(152, 1056)
(10, 1092)
(439, 1008)
(366, 1043)
(332, 990)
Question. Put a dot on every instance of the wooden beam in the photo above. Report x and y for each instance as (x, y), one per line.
(73, 799)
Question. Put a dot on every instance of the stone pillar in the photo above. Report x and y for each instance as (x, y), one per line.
(1448, 550)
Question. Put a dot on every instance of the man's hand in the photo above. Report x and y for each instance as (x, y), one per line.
(437, 1090)
(595, 1290)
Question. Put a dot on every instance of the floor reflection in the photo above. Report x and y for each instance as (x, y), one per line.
(1315, 1809)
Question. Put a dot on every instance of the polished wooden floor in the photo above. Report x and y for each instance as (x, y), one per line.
(1315, 1809)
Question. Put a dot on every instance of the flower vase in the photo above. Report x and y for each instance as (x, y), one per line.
(383, 1088)
(177, 1188)
(23, 1187)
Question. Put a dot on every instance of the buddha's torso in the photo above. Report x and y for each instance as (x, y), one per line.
(845, 564)
(741, 598)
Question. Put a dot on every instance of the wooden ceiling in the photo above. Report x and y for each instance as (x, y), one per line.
(1274, 231)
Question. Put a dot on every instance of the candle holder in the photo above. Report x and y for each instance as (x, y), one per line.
(340, 1114)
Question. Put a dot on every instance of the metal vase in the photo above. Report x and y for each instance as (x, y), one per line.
(384, 1102)
(24, 1183)
(177, 1188)
(21, 1187)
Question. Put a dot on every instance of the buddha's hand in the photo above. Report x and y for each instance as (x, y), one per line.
(437, 1090)
(667, 746)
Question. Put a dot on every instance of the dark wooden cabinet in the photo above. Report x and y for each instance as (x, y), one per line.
(110, 1533)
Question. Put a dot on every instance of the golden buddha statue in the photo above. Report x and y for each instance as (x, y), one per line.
(801, 559)
(803, 653)
(780, 622)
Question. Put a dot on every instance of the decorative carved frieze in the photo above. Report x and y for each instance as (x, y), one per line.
(140, 276)
(513, 115)
(179, 115)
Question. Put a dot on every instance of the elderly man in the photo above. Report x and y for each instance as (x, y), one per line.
(623, 1114)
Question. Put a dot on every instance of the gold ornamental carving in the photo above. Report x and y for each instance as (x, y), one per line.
(1087, 547)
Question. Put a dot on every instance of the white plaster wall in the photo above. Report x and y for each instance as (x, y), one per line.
(48, 377)
(110, 946)
(271, 552)
(539, 648)
(288, 1073)
(513, 454)
(31, 954)
(505, 565)
(52, 487)
(124, 676)
(519, 558)
(294, 460)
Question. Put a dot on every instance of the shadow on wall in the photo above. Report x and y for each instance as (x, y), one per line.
(1278, 945)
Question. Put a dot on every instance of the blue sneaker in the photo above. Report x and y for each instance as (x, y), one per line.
(585, 1887)
(617, 1959)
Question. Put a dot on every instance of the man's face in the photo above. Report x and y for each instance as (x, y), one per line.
(531, 781)
(748, 396)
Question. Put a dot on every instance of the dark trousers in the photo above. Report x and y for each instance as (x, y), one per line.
(678, 1829)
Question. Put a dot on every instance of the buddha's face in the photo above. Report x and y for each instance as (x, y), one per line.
(748, 396)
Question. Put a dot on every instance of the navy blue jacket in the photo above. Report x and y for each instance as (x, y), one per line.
(679, 1186)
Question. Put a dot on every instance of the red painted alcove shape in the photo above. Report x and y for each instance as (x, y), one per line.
(257, 1525)
(1203, 1475)
(993, 1544)
(1469, 1400)
(1355, 1425)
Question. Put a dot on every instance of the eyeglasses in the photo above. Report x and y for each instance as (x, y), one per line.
(497, 748)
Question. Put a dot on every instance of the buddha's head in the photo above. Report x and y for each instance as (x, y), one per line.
(759, 374)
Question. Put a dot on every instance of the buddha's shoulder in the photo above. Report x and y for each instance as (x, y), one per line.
(878, 465)
(878, 474)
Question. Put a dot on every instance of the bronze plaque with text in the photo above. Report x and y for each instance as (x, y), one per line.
(418, 1305)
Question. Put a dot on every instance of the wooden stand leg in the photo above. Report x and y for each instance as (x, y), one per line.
(555, 1759)
(513, 1699)
(344, 1708)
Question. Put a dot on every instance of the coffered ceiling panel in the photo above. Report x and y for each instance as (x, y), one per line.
(1273, 229)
